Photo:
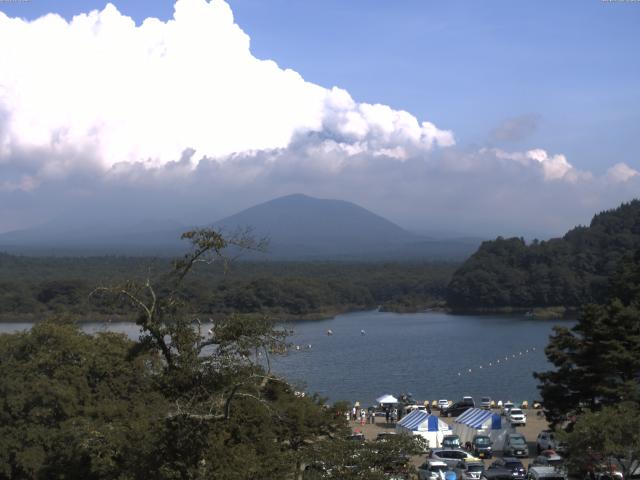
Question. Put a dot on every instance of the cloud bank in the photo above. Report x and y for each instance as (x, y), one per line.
(99, 116)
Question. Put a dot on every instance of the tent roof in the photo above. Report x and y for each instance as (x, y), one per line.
(387, 399)
(476, 417)
(419, 417)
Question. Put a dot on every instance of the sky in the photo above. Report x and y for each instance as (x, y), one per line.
(488, 118)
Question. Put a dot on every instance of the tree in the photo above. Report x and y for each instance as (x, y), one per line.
(598, 360)
(607, 439)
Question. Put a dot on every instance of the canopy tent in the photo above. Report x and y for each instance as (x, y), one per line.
(387, 399)
(427, 426)
(477, 421)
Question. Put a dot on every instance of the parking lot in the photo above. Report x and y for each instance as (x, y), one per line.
(535, 424)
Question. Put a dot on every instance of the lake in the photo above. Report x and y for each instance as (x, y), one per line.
(431, 355)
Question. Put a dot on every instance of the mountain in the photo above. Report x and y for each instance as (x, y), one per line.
(569, 271)
(305, 225)
(298, 227)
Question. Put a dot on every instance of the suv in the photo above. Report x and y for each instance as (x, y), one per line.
(547, 441)
(481, 446)
(517, 417)
(514, 466)
(515, 445)
(458, 408)
(506, 408)
(545, 473)
(451, 441)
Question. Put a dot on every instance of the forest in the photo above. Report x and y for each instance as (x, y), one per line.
(33, 287)
(568, 271)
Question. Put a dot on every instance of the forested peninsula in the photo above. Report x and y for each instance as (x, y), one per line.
(509, 273)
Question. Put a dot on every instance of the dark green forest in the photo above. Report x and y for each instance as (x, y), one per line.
(568, 271)
(33, 287)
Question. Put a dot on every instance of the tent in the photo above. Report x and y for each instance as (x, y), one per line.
(430, 427)
(477, 421)
(387, 399)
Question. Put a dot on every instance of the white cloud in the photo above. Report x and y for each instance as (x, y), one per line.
(118, 92)
(101, 116)
(621, 172)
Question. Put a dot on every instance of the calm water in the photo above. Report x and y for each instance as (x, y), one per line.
(426, 354)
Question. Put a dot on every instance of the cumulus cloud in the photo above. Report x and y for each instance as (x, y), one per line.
(107, 91)
(621, 172)
(100, 117)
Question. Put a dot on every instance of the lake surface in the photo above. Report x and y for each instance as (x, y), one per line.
(427, 354)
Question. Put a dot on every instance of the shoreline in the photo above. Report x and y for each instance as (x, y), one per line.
(537, 313)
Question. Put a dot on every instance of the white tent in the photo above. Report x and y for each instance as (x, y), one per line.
(387, 399)
(477, 421)
(427, 426)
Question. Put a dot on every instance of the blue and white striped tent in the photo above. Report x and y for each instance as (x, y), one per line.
(477, 421)
(427, 426)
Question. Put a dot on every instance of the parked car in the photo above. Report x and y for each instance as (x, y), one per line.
(469, 470)
(548, 458)
(451, 441)
(512, 464)
(432, 470)
(517, 417)
(457, 408)
(442, 403)
(468, 399)
(358, 437)
(599, 468)
(485, 402)
(545, 473)
(547, 441)
(451, 456)
(481, 446)
(496, 474)
(515, 445)
(384, 436)
(506, 408)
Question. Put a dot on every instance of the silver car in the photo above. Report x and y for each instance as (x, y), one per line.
(469, 470)
(432, 470)
(515, 445)
(452, 456)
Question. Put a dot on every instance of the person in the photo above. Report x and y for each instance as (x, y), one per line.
(386, 414)
(354, 411)
(428, 409)
(363, 415)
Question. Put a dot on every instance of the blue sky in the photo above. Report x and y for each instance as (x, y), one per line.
(467, 66)
(492, 117)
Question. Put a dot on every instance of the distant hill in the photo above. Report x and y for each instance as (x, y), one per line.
(299, 227)
(568, 271)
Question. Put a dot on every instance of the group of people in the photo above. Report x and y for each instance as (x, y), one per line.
(363, 415)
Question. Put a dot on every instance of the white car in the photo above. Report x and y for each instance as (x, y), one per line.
(517, 417)
(547, 441)
(432, 470)
(507, 407)
(443, 404)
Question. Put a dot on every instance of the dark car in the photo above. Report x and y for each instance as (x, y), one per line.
(497, 474)
(458, 408)
(481, 445)
(512, 464)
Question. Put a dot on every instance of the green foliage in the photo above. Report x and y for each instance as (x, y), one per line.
(568, 271)
(180, 403)
(606, 440)
(598, 360)
(74, 405)
(31, 287)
